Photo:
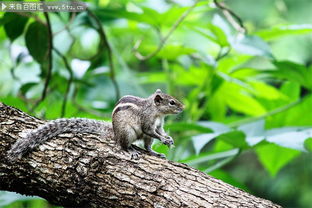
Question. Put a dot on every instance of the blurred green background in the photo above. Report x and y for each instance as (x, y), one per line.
(247, 88)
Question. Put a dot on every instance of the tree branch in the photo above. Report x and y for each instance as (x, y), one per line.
(233, 18)
(85, 170)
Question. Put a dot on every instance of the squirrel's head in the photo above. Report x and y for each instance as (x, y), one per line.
(167, 104)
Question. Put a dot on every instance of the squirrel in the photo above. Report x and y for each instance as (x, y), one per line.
(137, 118)
(133, 118)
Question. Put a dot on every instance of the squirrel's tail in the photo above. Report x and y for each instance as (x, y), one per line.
(51, 129)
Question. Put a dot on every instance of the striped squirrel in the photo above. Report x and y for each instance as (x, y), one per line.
(143, 118)
(133, 118)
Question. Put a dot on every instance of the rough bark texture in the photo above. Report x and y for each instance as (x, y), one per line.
(85, 170)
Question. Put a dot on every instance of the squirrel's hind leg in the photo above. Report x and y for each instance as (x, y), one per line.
(125, 139)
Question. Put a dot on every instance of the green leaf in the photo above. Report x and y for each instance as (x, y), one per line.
(291, 89)
(252, 45)
(184, 126)
(37, 41)
(170, 52)
(222, 23)
(230, 64)
(14, 25)
(293, 72)
(161, 148)
(274, 157)
(219, 164)
(308, 144)
(279, 31)
(199, 141)
(219, 35)
(266, 91)
(290, 137)
(205, 157)
(252, 129)
(216, 107)
(193, 76)
(87, 45)
(220, 146)
(215, 34)
(7, 198)
(16, 102)
(238, 99)
(233, 81)
(148, 15)
(155, 77)
(244, 73)
(24, 88)
(152, 16)
(107, 14)
(298, 115)
(235, 138)
(171, 15)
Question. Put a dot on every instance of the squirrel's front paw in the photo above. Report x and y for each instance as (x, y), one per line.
(168, 141)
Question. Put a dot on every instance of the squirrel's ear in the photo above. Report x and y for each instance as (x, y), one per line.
(157, 99)
(158, 91)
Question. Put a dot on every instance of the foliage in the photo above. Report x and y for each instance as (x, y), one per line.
(9, 199)
(248, 118)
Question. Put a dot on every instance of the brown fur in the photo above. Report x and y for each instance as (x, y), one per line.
(136, 118)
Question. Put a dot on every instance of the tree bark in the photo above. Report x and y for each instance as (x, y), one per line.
(85, 170)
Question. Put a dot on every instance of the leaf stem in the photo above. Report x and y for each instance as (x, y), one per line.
(219, 164)
(70, 80)
(109, 52)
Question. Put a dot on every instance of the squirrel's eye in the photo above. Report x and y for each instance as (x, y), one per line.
(172, 102)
